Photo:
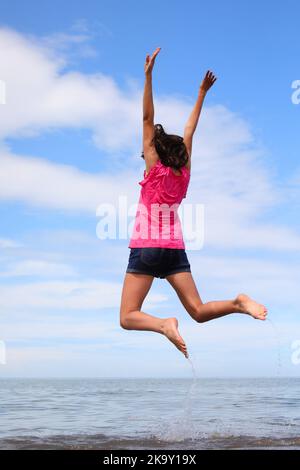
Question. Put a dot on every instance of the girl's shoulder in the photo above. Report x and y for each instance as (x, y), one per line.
(158, 170)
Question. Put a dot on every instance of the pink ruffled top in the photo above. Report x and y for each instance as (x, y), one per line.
(157, 223)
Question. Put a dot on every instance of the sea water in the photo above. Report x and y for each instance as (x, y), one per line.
(191, 413)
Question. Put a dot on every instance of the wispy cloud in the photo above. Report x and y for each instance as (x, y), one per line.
(60, 294)
(9, 243)
(42, 183)
(38, 268)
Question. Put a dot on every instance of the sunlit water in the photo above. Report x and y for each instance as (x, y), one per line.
(191, 413)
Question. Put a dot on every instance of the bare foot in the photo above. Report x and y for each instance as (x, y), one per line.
(247, 305)
(170, 330)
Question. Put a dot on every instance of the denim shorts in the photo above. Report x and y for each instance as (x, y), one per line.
(158, 262)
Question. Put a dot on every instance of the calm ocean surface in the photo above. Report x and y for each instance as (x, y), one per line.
(149, 413)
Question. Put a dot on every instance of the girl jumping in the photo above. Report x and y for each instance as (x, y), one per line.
(157, 248)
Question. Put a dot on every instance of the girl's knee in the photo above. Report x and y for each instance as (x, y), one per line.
(196, 311)
(124, 323)
(125, 320)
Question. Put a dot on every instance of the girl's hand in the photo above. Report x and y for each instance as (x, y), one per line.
(150, 61)
(207, 81)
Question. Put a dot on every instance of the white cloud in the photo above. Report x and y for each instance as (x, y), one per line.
(42, 183)
(57, 329)
(9, 243)
(38, 268)
(65, 42)
(272, 282)
(78, 295)
(221, 348)
(41, 96)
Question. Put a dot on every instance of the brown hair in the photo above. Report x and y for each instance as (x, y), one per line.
(170, 148)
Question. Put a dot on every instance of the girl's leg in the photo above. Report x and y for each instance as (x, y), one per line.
(135, 288)
(186, 289)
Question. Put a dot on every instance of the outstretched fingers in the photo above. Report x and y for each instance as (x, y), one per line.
(208, 81)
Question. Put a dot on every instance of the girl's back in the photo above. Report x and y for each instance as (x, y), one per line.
(157, 223)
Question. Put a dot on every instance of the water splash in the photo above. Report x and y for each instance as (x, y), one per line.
(181, 427)
(193, 368)
(187, 405)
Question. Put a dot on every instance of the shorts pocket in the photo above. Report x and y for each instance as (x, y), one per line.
(151, 256)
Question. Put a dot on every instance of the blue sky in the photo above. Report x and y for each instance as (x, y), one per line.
(70, 139)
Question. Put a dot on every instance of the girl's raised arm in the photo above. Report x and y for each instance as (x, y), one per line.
(192, 122)
(149, 151)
